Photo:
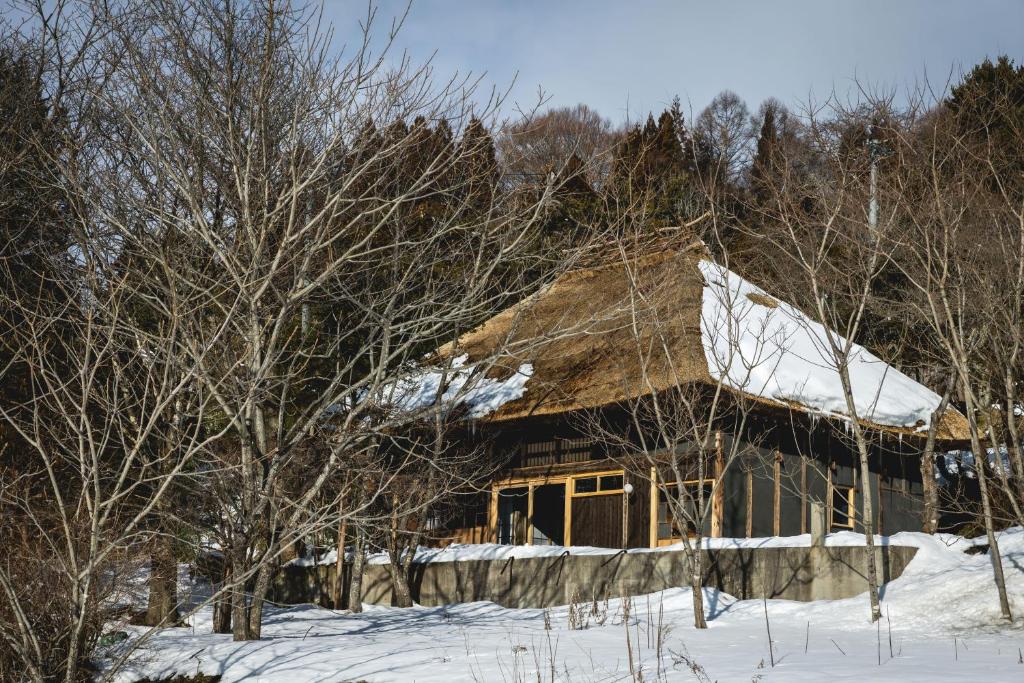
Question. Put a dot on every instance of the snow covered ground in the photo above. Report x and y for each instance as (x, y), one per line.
(942, 623)
(459, 552)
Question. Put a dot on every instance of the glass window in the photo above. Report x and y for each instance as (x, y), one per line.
(611, 482)
(587, 485)
(842, 506)
(668, 528)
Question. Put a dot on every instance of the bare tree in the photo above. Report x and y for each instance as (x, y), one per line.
(689, 367)
(103, 392)
(541, 144)
(307, 257)
(831, 243)
(963, 246)
(723, 137)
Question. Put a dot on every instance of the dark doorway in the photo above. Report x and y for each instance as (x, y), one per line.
(513, 505)
(549, 514)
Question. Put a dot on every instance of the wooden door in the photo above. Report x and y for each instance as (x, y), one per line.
(597, 520)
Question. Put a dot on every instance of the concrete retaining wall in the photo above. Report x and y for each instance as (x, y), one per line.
(820, 573)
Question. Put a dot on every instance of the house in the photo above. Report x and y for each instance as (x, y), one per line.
(599, 340)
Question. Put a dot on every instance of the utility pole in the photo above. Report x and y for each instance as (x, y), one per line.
(876, 150)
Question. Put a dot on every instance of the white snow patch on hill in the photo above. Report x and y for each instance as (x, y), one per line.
(943, 614)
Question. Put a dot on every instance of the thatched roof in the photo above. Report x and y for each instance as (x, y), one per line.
(607, 334)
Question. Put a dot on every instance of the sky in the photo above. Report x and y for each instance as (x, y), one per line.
(627, 57)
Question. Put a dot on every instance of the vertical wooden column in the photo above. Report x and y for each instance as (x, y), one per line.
(654, 493)
(803, 495)
(777, 502)
(718, 495)
(880, 525)
(625, 514)
(750, 503)
(529, 514)
(828, 499)
(492, 515)
(567, 529)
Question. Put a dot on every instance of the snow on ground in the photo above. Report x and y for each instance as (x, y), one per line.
(459, 552)
(942, 613)
(778, 352)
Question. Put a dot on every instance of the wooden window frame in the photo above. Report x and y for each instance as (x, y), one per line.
(531, 483)
(851, 507)
(571, 483)
(656, 492)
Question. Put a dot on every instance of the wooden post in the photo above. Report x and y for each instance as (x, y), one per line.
(718, 495)
(567, 540)
(880, 528)
(777, 503)
(803, 495)
(492, 515)
(653, 505)
(529, 514)
(625, 513)
(819, 524)
(828, 499)
(750, 503)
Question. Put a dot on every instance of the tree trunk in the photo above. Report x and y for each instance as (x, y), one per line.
(399, 583)
(239, 607)
(401, 595)
(355, 591)
(868, 513)
(869, 524)
(696, 585)
(222, 605)
(162, 609)
(980, 466)
(339, 564)
(259, 596)
(930, 521)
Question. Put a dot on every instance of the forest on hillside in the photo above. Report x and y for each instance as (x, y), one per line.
(219, 243)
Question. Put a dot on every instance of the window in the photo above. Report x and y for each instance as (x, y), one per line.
(604, 483)
(668, 530)
(558, 450)
(843, 511)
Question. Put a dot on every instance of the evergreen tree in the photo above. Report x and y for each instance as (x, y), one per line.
(34, 234)
(651, 170)
(667, 158)
(575, 209)
(478, 163)
(989, 106)
(765, 154)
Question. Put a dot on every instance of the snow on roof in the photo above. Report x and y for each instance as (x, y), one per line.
(582, 349)
(769, 349)
(462, 385)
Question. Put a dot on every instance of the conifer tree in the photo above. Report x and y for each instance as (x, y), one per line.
(34, 237)
(765, 154)
(479, 162)
(989, 106)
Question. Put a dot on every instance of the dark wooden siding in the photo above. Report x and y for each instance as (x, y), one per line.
(639, 512)
(597, 521)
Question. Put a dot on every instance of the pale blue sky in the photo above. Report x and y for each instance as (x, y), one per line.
(631, 57)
